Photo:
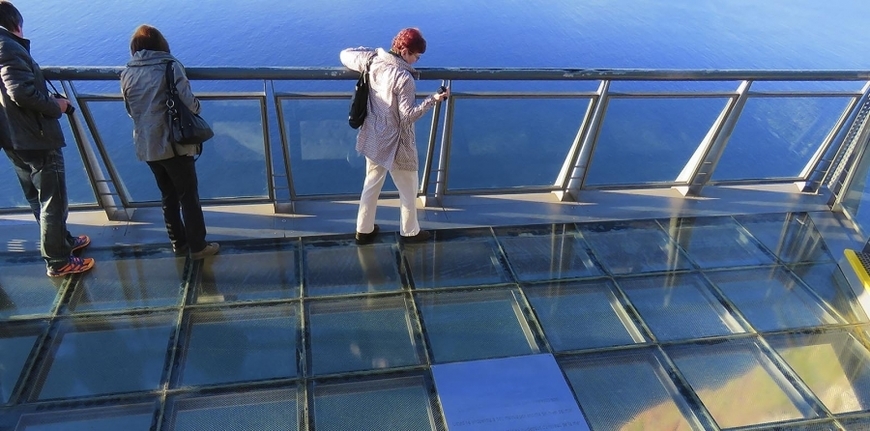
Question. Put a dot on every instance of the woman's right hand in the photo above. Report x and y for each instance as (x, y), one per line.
(442, 95)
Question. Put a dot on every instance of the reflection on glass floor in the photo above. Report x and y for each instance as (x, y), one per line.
(702, 323)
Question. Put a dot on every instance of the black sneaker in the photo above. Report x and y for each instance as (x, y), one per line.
(367, 238)
(421, 236)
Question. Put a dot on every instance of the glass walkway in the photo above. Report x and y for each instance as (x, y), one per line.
(704, 293)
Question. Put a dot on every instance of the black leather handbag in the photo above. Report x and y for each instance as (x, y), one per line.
(185, 127)
(360, 99)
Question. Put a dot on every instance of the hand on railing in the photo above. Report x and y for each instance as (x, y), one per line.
(442, 93)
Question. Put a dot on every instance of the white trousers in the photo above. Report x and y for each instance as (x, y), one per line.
(407, 183)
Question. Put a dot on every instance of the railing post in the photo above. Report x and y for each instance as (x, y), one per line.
(584, 145)
(700, 167)
(110, 202)
(287, 207)
(430, 153)
(817, 167)
(444, 157)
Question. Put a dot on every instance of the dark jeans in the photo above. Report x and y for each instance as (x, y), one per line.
(176, 179)
(42, 177)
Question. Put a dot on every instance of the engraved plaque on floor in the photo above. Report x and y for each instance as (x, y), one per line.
(522, 393)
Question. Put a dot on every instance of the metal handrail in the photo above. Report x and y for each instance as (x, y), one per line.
(571, 180)
(96, 73)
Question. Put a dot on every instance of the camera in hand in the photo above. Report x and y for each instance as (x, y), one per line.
(442, 89)
(69, 108)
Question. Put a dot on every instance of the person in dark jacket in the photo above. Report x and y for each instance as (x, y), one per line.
(143, 85)
(31, 136)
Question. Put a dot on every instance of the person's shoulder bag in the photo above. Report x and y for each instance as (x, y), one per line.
(360, 99)
(185, 127)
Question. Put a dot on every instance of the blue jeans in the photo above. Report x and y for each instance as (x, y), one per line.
(176, 179)
(42, 177)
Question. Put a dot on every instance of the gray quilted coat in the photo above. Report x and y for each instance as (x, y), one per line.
(143, 84)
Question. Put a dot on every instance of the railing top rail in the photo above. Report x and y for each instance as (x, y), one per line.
(97, 73)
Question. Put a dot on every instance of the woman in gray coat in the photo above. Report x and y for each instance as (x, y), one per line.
(143, 84)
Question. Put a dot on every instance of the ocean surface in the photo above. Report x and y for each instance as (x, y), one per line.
(692, 34)
(648, 34)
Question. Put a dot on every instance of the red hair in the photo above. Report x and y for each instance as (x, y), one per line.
(409, 38)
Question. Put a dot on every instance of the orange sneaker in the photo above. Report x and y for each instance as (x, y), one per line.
(75, 265)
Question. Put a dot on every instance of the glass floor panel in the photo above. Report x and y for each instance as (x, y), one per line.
(791, 237)
(771, 298)
(360, 334)
(738, 384)
(25, 291)
(630, 247)
(238, 345)
(582, 315)
(17, 341)
(715, 242)
(105, 356)
(551, 253)
(267, 272)
(679, 306)
(298, 334)
(464, 326)
(128, 418)
(827, 281)
(273, 410)
(333, 269)
(628, 390)
(456, 261)
(834, 365)
(381, 405)
(130, 282)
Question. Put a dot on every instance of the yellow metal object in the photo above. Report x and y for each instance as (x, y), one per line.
(860, 262)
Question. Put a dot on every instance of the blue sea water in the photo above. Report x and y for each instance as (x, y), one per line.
(694, 34)
(648, 34)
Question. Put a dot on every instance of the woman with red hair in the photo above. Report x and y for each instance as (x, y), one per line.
(386, 138)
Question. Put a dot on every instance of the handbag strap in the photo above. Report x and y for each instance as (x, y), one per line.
(171, 98)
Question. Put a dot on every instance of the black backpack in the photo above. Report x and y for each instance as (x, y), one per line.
(360, 99)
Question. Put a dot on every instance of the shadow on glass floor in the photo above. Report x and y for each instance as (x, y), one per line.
(696, 323)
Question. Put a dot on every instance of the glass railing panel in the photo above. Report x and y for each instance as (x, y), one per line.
(233, 163)
(236, 152)
(808, 86)
(674, 86)
(775, 137)
(649, 140)
(504, 143)
(856, 200)
(79, 190)
(323, 156)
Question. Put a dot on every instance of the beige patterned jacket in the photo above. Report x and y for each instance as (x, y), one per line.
(387, 135)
